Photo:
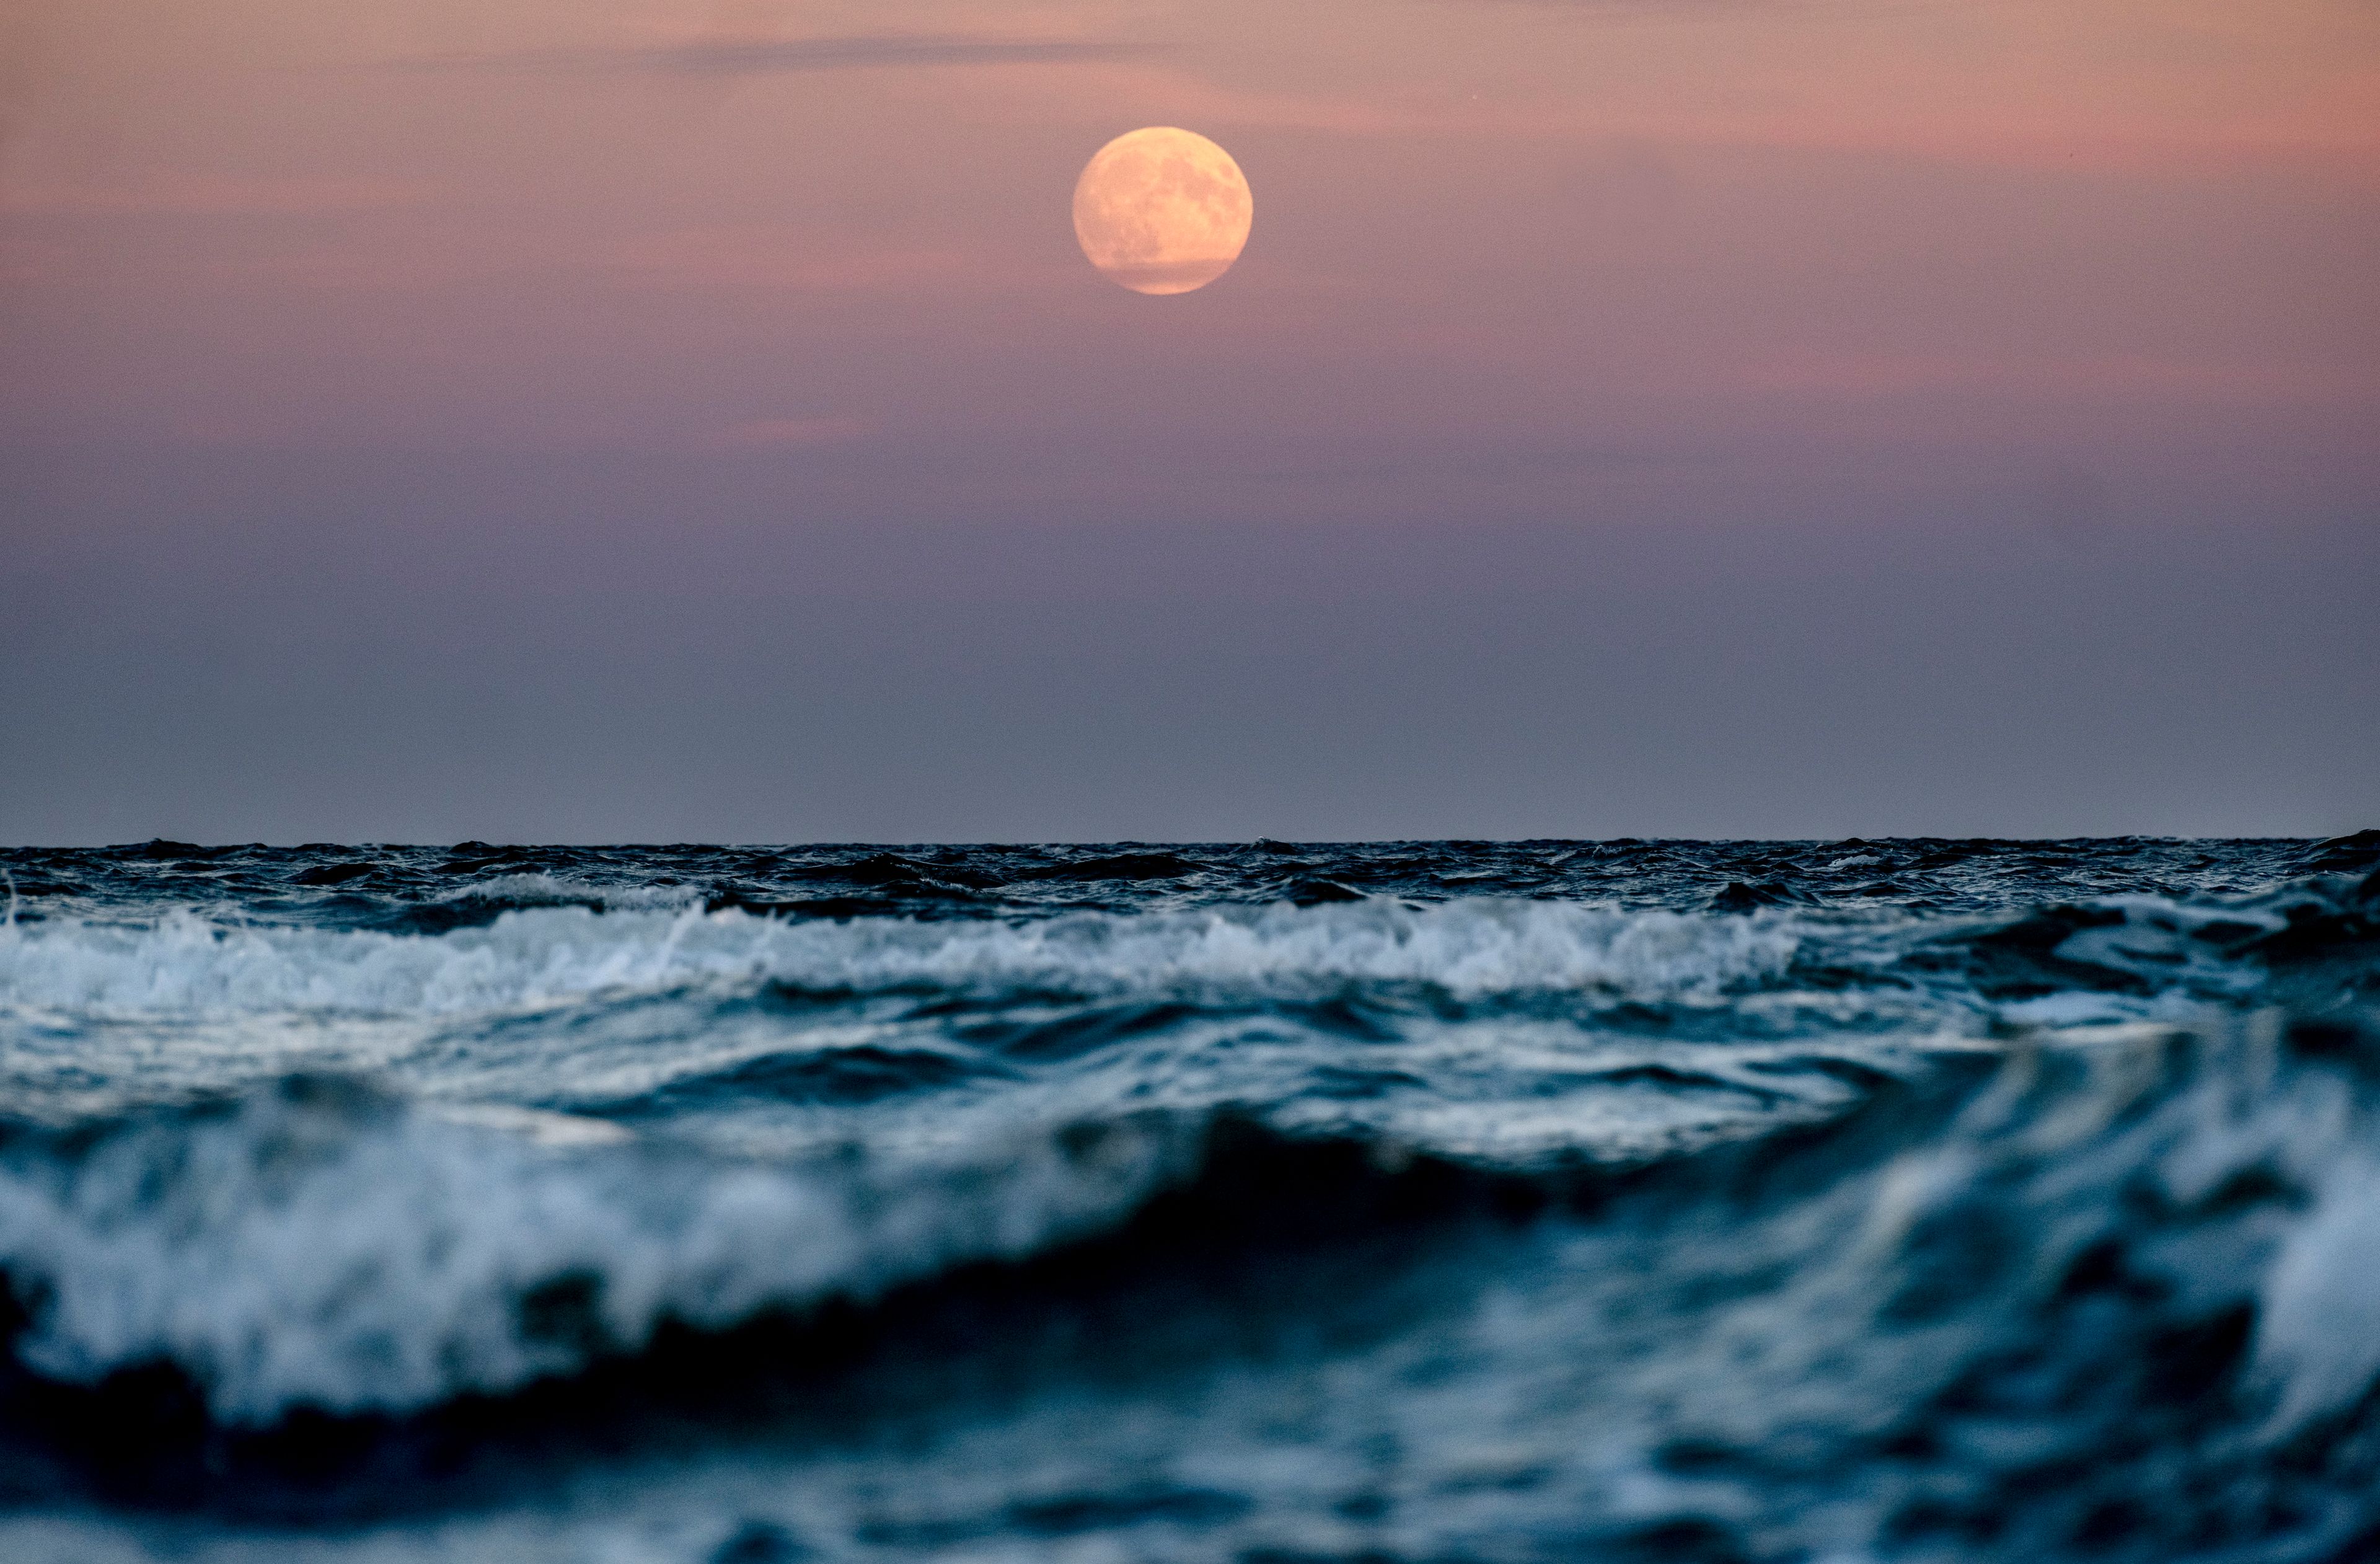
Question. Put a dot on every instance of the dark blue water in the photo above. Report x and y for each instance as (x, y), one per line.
(1832, 1202)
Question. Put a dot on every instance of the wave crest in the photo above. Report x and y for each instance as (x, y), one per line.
(529, 957)
(325, 1244)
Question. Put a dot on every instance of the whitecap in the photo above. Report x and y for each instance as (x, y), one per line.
(183, 966)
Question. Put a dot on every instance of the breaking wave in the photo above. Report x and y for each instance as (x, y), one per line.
(325, 1244)
(186, 965)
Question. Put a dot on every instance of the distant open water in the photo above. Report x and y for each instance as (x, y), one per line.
(1909, 1200)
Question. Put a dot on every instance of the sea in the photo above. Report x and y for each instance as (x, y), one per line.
(1654, 1201)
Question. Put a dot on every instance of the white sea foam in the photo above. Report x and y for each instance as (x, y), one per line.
(184, 965)
(547, 891)
(323, 1245)
(2318, 1331)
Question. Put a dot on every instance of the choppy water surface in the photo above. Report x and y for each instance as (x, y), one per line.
(1757, 1201)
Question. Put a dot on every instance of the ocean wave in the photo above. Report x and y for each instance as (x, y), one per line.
(183, 964)
(1888, 1201)
(327, 1244)
(522, 891)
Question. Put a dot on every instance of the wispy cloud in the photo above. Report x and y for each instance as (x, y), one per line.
(207, 194)
(778, 434)
(775, 258)
(2247, 383)
(751, 57)
(1652, 8)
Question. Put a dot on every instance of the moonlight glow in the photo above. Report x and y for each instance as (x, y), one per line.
(1162, 211)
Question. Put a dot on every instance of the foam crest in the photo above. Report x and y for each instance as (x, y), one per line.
(182, 965)
(548, 891)
(322, 1245)
(2319, 1327)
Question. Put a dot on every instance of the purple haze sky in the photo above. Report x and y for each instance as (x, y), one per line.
(604, 419)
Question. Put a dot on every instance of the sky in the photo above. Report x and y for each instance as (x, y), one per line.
(619, 420)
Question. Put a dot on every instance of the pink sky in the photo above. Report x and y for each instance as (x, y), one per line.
(1923, 289)
(627, 224)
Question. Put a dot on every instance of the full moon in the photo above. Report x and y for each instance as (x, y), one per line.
(1162, 211)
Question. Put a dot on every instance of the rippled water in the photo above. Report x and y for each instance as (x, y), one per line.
(1756, 1201)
